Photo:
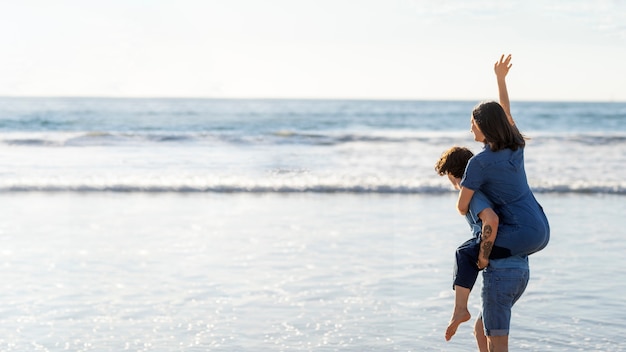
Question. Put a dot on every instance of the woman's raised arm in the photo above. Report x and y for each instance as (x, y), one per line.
(501, 69)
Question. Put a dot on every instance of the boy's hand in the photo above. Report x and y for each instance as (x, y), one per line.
(482, 263)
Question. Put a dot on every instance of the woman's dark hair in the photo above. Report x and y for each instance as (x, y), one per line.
(494, 124)
(453, 161)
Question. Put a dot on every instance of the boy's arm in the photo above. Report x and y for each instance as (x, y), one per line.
(501, 69)
(465, 196)
(490, 222)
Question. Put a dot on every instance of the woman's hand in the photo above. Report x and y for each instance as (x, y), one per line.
(502, 67)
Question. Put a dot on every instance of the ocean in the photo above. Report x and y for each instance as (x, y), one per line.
(274, 225)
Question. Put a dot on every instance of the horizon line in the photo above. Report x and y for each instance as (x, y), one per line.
(296, 98)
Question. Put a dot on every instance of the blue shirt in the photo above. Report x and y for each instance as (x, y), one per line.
(523, 227)
(500, 175)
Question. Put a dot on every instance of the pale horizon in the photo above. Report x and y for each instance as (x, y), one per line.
(138, 97)
(350, 50)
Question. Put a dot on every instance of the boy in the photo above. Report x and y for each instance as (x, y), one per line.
(473, 255)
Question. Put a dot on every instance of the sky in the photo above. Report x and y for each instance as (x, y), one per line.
(563, 50)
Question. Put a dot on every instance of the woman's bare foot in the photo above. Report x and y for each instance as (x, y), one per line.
(459, 316)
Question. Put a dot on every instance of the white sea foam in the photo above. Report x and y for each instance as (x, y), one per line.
(288, 146)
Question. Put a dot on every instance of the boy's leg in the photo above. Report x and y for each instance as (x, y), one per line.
(465, 268)
(465, 275)
(461, 314)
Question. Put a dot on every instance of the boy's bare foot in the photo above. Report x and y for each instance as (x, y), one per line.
(459, 316)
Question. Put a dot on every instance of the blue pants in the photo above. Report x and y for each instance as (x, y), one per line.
(466, 268)
(502, 287)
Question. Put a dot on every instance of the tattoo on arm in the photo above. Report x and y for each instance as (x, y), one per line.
(487, 245)
(487, 231)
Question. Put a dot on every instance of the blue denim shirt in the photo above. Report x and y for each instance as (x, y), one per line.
(501, 177)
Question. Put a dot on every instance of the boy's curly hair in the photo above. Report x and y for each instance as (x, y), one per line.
(453, 161)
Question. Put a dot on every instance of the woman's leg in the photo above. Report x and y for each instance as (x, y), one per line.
(498, 343)
(479, 334)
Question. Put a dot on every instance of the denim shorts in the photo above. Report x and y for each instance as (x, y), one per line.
(502, 287)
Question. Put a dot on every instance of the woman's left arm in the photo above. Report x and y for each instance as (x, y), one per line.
(465, 196)
(501, 69)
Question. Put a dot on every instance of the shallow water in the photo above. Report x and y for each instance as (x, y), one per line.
(275, 272)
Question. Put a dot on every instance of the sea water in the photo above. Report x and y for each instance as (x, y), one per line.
(271, 225)
(289, 146)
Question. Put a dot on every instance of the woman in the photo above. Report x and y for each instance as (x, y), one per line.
(498, 172)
